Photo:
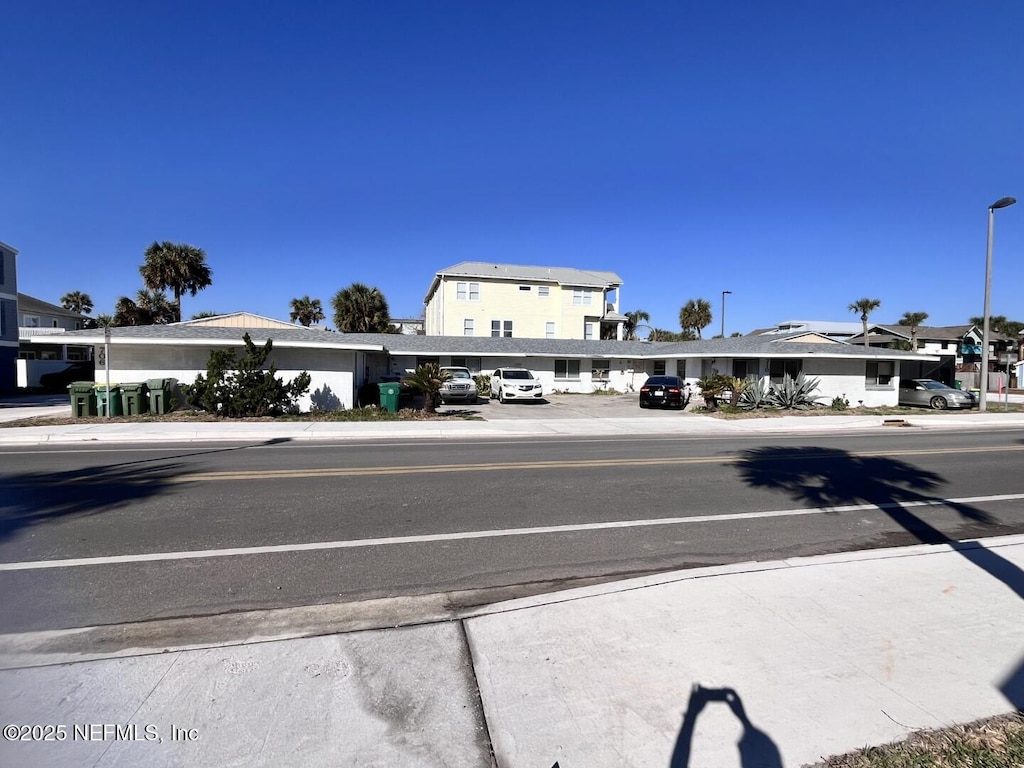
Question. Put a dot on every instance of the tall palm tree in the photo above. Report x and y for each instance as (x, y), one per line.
(865, 307)
(307, 311)
(76, 301)
(695, 315)
(913, 319)
(360, 309)
(633, 321)
(178, 267)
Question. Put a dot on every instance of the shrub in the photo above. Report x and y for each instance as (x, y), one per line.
(483, 384)
(711, 388)
(237, 387)
(795, 394)
(840, 403)
(756, 394)
(428, 379)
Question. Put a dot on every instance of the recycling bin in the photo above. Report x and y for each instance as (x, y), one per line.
(160, 394)
(133, 399)
(83, 399)
(389, 392)
(103, 402)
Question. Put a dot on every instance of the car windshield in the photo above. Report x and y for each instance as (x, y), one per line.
(934, 385)
(670, 381)
(459, 374)
(516, 375)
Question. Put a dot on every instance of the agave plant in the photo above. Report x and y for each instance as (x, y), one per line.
(756, 394)
(796, 394)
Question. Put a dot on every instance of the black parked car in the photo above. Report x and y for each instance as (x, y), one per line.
(663, 391)
(85, 371)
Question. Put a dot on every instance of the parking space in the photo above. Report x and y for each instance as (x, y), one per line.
(565, 407)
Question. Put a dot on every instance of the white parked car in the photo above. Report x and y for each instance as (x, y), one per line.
(460, 387)
(515, 384)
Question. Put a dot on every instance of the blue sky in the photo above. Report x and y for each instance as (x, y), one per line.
(802, 154)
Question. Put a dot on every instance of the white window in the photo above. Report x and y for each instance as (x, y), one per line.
(659, 368)
(588, 330)
(544, 291)
(581, 296)
(31, 321)
(549, 330)
(600, 369)
(567, 369)
(501, 328)
(467, 291)
(467, 326)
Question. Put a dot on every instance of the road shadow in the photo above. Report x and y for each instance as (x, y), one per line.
(822, 477)
(827, 477)
(36, 498)
(756, 748)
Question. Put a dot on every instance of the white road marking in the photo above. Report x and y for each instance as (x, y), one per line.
(201, 554)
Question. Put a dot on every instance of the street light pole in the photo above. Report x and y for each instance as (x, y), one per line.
(1003, 202)
(723, 312)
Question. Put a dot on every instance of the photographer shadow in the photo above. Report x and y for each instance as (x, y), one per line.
(756, 748)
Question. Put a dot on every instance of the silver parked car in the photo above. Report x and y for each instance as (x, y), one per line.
(934, 394)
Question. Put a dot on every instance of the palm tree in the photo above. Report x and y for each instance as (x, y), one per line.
(865, 307)
(360, 309)
(307, 311)
(695, 316)
(177, 267)
(428, 378)
(148, 308)
(913, 319)
(76, 301)
(633, 321)
(205, 313)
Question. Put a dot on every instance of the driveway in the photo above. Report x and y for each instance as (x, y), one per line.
(566, 407)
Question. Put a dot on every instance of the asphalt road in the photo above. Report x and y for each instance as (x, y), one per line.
(111, 535)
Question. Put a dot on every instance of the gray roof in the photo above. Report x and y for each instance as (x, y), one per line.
(33, 305)
(930, 332)
(486, 346)
(557, 275)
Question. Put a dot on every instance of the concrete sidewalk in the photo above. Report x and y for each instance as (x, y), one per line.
(769, 664)
(671, 424)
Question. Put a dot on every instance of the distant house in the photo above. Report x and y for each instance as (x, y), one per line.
(43, 345)
(236, 320)
(831, 329)
(956, 347)
(8, 317)
(509, 301)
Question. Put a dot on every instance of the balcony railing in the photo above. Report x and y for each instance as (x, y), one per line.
(24, 331)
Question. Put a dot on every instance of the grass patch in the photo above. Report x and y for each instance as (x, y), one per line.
(996, 742)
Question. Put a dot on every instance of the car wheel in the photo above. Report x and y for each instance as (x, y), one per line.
(642, 404)
(501, 397)
(939, 403)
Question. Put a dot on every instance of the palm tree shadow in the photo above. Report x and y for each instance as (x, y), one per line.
(833, 478)
(757, 750)
(35, 498)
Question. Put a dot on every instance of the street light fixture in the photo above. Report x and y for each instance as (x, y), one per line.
(1003, 202)
(723, 311)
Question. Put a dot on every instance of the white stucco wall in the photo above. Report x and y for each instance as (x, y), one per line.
(327, 368)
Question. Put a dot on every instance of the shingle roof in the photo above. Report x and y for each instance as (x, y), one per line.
(558, 275)
(930, 332)
(33, 305)
(485, 346)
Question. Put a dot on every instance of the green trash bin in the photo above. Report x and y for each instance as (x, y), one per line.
(160, 394)
(389, 392)
(83, 399)
(958, 384)
(134, 401)
(101, 400)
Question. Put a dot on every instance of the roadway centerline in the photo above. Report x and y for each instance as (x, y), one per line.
(279, 474)
(486, 534)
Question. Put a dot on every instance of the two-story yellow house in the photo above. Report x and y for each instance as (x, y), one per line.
(475, 298)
